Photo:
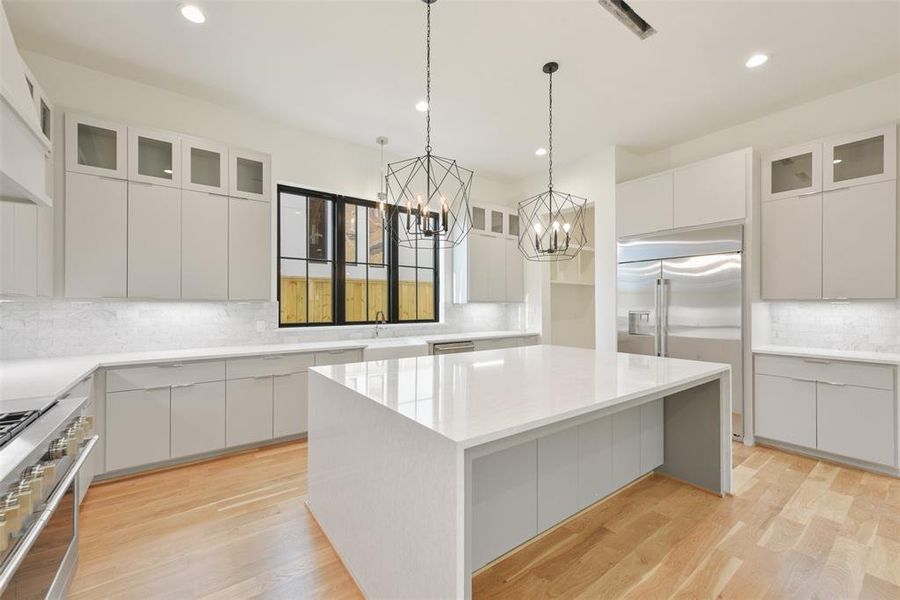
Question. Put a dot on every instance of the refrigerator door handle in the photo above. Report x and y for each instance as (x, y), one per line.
(663, 315)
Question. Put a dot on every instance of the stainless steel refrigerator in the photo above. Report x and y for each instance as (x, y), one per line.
(680, 295)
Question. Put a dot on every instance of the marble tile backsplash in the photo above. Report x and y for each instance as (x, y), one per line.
(864, 326)
(55, 327)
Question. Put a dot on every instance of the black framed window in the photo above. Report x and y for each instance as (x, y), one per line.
(339, 265)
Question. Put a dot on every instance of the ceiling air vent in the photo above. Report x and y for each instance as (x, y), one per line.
(631, 20)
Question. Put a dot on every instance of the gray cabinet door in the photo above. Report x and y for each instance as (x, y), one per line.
(626, 448)
(154, 241)
(515, 272)
(504, 501)
(479, 267)
(96, 236)
(291, 401)
(652, 442)
(792, 248)
(248, 249)
(645, 205)
(557, 475)
(857, 422)
(137, 428)
(594, 461)
(204, 246)
(198, 418)
(248, 411)
(859, 241)
(785, 410)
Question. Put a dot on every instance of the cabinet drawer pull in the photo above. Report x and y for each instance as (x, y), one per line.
(171, 366)
(282, 374)
(816, 361)
(272, 357)
(802, 379)
(808, 194)
(834, 383)
(262, 377)
(182, 385)
(156, 387)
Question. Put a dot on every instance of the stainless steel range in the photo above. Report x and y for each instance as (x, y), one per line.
(43, 444)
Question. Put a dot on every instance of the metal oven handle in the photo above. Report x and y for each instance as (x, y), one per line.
(22, 549)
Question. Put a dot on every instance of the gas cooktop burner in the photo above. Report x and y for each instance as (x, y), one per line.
(12, 423)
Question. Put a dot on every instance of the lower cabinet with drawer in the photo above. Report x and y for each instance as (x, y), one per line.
(842, 408)
(137, 427)
(198, 418)
(248, 412)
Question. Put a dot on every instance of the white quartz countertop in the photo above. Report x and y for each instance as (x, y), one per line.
(885, 358)
(35, 377)
(475, 398)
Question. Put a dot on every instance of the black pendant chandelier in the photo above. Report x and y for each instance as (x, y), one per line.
(428, 196)
(552, 223)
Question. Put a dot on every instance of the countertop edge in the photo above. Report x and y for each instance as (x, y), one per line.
(883, 358)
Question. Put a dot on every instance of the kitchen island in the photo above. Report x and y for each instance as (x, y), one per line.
(423, 470)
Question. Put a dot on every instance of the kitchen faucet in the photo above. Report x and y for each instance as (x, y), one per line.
(380, 320)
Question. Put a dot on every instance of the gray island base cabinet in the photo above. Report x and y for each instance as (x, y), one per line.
(461, 458)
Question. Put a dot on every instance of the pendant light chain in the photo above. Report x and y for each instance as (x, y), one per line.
(550, 145)
(428, 78)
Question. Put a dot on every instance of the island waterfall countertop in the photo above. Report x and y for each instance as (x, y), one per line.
(51, 377)
(474, 398)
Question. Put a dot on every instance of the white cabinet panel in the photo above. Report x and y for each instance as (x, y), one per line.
(479, 267)
(835, 371)
(204, 246)
(712, 191)
(277, 364)
(249, 175)
(652, 440)
(204, 166)
(198, 418)
(504, 501)
(248, 411)
(860, 158)
(132, 378)
(291, 403)
(792, 172)
(96, 147)
(594, 461)
(154, 157)
(496, 344)
(859, 241)
(248, 250)
(645, 205)
(96, 236)
(557, 476)
(496, 260)
(137, 428)
(515, 272)
(792, 248)
(785, 409)
(19, 248)
(154, 241)
(626, 448)
(45, 249)
(857, 422)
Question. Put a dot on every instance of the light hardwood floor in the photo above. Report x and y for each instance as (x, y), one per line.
(237, 528)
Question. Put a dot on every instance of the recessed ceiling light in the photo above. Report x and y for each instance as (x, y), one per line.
(540, 152)
(756, 60)
(838, 160)
(421, 106)
(192, 13)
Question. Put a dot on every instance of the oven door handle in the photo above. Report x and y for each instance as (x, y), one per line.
(24, 546)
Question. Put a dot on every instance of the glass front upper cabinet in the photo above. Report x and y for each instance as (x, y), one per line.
(497, 217)
(204, 166)
(512, 224)
(860, 158)
(154, 157)
(249, 173)
(96, 147)
(793, 171)
(479, 219)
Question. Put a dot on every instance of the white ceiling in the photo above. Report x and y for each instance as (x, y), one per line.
(354, 70)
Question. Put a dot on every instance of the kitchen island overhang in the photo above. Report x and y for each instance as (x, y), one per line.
(422, 470)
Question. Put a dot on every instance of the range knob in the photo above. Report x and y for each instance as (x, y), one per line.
(49, 471)
(22, 490)
(10, 508)
(35, 477)
(59, 448)
(4, 533)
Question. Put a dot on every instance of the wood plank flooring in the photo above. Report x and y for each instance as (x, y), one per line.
(237, 528)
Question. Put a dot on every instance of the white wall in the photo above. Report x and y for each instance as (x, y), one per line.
(856, 109)
(299, 156)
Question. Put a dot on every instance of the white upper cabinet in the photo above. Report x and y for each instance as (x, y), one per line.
(205, 166)
(154, 157)
(794, 171)
(96, 147)
(154, 241)
(645, 205)
(859, 241)
(204, 246)
(792, 248)
(249, 175)
(713, 191)
(249, 256)
(860, 158)
(487, 266)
